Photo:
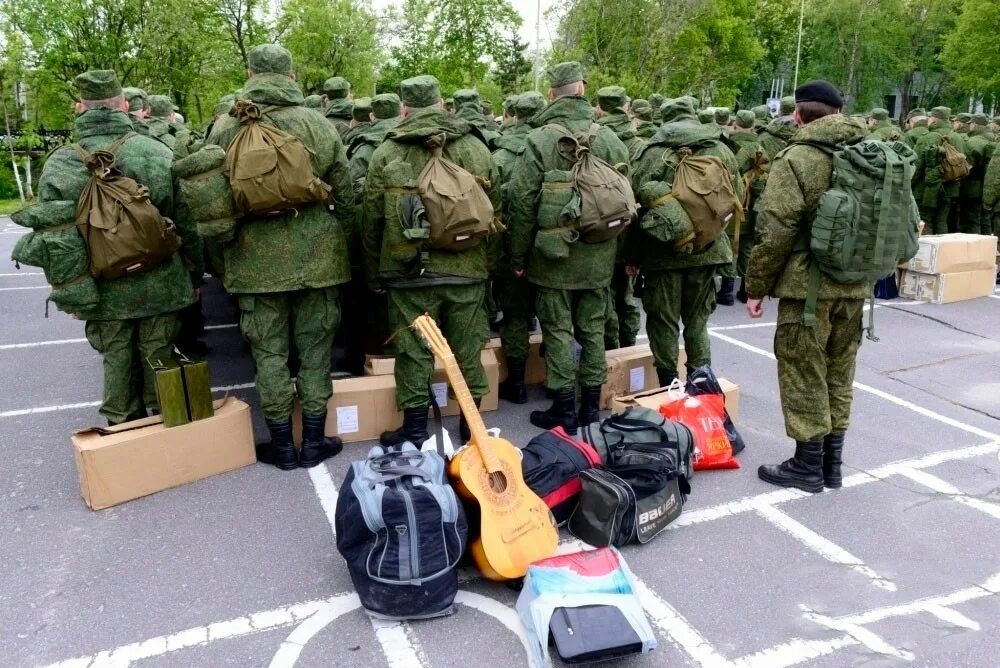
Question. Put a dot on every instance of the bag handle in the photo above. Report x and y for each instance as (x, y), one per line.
(100, 163)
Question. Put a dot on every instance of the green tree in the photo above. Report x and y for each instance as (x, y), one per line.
(970, 51)
(513, 68)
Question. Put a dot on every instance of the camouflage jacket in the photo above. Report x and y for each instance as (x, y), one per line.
(508, 146)
(913, 135)
(166, 288)
(927, 169)
(391, 259)
(886, 131)
(658, 162)
(991, 182)
(621, 124)
(534, 206)
(645, 129)
(785, 213)
(299, 249)
(356, 131)
(980, 144)
(361, 148)
(775, 137)
(338, 113)
(748, 144)
(479, 127)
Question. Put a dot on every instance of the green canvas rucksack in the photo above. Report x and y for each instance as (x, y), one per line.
(867, 222)
(124, 232)
(954, 165)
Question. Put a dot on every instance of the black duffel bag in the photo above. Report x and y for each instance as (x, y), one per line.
(552, 463)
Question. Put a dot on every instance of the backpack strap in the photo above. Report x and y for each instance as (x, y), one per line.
(101, 162)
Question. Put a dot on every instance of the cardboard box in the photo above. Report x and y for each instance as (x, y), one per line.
(386, 366)
(142, 457)
(655, 398)
(630, 370)
(534, 371)
(949, 287)
(359, 410)
(951, 253)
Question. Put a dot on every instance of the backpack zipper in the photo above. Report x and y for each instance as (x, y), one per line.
(411, 520)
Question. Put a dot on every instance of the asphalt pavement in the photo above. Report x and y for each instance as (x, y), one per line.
(901, 567)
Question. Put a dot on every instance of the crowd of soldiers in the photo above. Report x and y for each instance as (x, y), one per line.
(300, 276)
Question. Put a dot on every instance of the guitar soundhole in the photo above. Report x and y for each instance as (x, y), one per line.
(498, 482)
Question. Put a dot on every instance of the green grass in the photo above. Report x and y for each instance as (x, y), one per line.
(9, 206)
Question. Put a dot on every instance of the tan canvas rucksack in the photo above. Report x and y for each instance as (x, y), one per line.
(703, 186)
(457, 208)
(269, 170)
(607, 203)
(123, 230)
(954, 165)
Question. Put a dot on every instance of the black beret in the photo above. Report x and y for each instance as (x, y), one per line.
(819, 91)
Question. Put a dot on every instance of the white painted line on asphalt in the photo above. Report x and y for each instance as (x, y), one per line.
(228, 325)
(504, 614)
(23, 273)
(290, 649)
(951, 422)
(940, 486)
(89, 404)
(326, 490)
(820, 545)
(867, 638)
(749, 325)
(793, 652)
(27, 287)
(36, 344)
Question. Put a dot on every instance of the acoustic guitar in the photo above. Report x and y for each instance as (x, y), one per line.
(517, 527)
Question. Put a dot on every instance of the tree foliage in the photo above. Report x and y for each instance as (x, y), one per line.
(976, 69)
(513, 69)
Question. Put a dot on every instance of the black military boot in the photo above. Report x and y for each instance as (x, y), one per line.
(833, 450)
(562, 413)
(803, 471)
(414, 429)
(280, 450)
(665, 376)
(463, 426)
(590, 404)
(316, 445)
(741, 294)
(513, 388)
(724, 297)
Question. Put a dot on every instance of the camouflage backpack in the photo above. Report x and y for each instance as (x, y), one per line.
(954, 165)
(703, 185)
(457, 209)
(123, 230)
(269, 170)
(606, 201)
(867, 222)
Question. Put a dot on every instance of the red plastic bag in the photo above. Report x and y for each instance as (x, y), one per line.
(705, 416)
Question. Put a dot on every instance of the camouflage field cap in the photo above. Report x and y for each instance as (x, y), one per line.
(97, 85)
(656, 100)
(964, 118)
(693, 101)
(314, 101)
(941, 113)
(564, 74)
(386, 105)
(787, 105)
(528, 104)
(508, 104)
(466, 97)
(762, 112)
(722, 115)
(611, 97)
(745, 118)
(362, 109)
(342, 108)
(678, 109)
(642, 110)
(879, 114)
(919, 112)
(336, 88)
(136, 98)
(981, 119)
(705, 116)
(160, 106)
(270, 58)
(421, 91)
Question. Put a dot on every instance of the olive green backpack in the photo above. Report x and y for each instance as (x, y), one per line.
(954, 165)
(703, 185)
(606, 201)
(122, 229)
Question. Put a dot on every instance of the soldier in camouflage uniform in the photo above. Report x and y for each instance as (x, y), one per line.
(775, 137)
(655, 102)
(753, 169)
(680, 287)
(385, 110)
(762, 116)
(469, 108)
(313, 102)
(136, 317)
(642, 114)
(451, 286)
(815, 364)
(961, 123)
(623, 317)
(916, 127)
(705, 116)
(938, 201)
(360, 119)
(138, 108)
(516, 296)
(572, 290)
(509, 117)
(881, 128)
(162, 124)
(339, 106)
(285, 268)
(991, 195)
(722, 116)
(980, 147)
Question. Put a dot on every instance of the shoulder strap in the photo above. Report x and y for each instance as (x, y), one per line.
(826, 148)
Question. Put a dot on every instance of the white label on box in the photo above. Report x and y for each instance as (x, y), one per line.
(347, 420)
(440, 391)
(637, 379)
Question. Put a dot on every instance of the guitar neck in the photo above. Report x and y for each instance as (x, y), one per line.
(471, 412)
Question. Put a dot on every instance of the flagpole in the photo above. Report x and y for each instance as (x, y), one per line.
(798, 48)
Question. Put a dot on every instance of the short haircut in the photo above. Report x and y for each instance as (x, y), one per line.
(568, 89)
(115, 103)
(813, 111)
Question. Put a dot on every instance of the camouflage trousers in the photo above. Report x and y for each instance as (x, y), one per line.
(941, 219)
(971, 216)
(125, 345)
(517, 301)
(272, 323)
(563, 314)
(460, 311)
(674, 297)
(623, 318)
(816, 365)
